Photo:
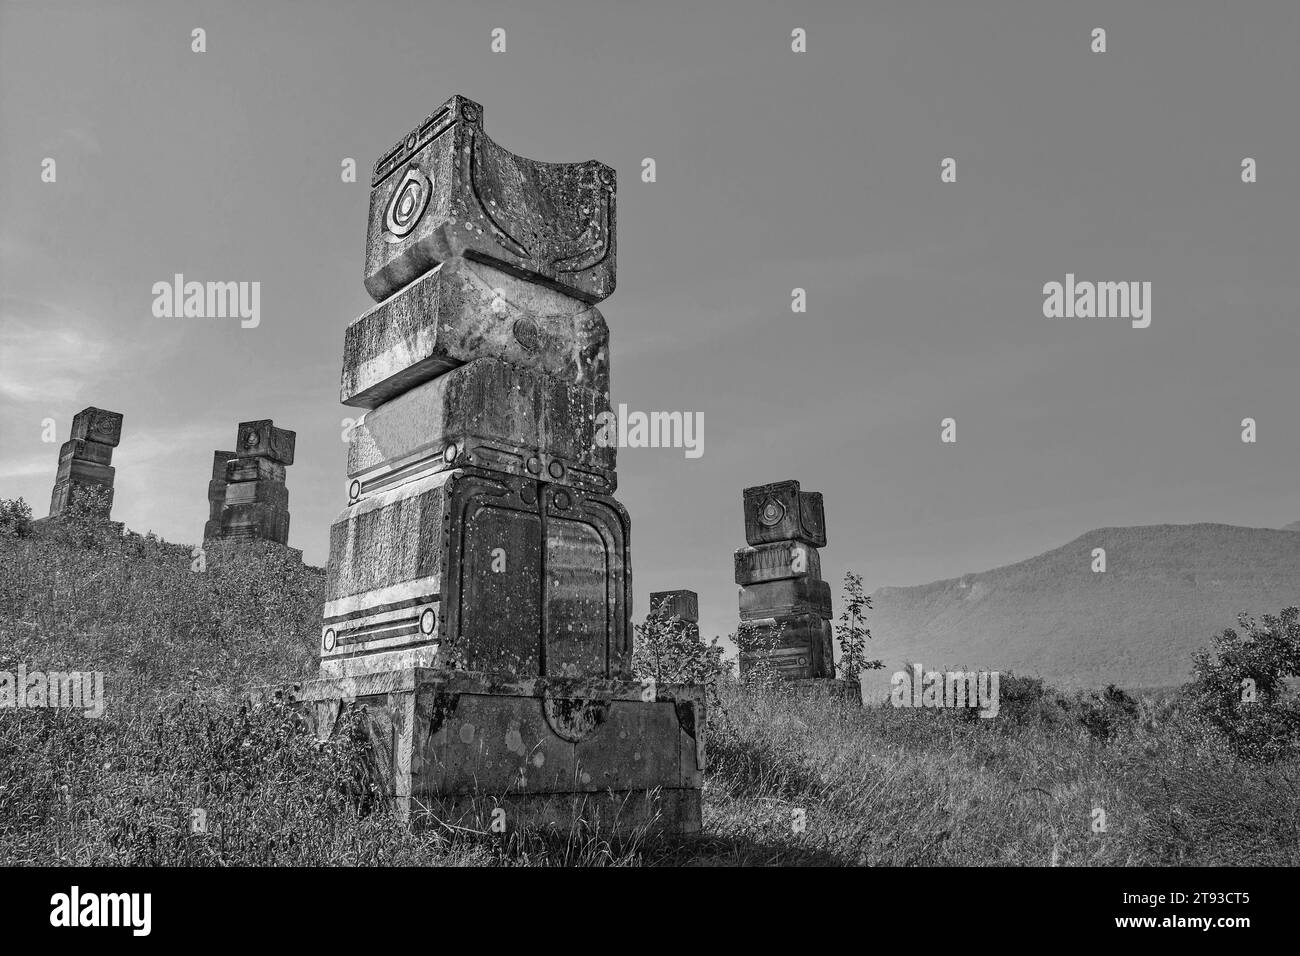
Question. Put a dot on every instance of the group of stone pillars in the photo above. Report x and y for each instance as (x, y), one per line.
(478, 590)
(247, 497)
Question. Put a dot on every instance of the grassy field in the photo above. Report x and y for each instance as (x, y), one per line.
(790, 781)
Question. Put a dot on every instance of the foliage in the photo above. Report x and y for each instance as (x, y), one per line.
(1240, 685)
(852, 632)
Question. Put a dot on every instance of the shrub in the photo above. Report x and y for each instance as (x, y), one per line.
(15, 518)
(1239, 685)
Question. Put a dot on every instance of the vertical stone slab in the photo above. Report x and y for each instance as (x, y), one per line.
(84, 462)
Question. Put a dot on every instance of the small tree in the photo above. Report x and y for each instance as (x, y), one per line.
(852, 632)
(1240, 685)
(669, 650)
(15, 518)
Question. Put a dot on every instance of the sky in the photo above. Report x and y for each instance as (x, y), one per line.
(774, 170)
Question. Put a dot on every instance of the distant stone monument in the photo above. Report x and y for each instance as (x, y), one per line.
(478, 592)
(783, 598)
(255, 503)
(85, 462)
(679, 606)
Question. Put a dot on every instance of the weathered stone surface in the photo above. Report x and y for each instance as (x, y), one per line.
(684, 605)
(266, 492)
(776, 562)
(99, 425)
(802, 646)
(791, 596)
(80, 449)
(781, 512)
(85, 472)
(503, 573)
(450, 739)
(261, 439)
(463, 311)
(255, 520)
(447, 190)
(254, 469)
(68, 491)
(486, 414)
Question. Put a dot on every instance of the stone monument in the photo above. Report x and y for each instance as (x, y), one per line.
(478, 592)
(679, 606)
(255, 502)
(782, 595)
(85, 461)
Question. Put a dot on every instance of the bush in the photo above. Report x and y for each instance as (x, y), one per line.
(1240, 687)
(15, 518)
(1104, 715)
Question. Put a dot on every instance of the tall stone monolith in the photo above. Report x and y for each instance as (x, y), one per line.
(478, 592)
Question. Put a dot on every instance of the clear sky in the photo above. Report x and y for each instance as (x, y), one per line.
(775, 170)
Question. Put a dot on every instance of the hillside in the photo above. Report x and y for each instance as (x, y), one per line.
(1166, 591)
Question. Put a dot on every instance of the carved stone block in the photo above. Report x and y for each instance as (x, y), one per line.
(445, 190)
(255, 519)
(99, 425)
(89, 451)
(85, 472)
(791, 596)
(684, 605)
(502, 573)
(781, 512)
(463, 311)
(777, 561)
(261, 439)
(486, 414)
(548, 750)
(801, 646)
(272, 493)
(254, 469)
(69, 491)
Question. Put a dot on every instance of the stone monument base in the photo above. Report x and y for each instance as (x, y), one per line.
(453, 746)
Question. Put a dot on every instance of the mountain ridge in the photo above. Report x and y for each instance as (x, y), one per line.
(1167, 590)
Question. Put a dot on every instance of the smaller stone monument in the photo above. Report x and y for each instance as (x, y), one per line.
(256, 501)
(680, 606)
(782, 594)
(85, 460)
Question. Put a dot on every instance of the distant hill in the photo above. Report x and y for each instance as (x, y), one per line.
(1167, 590)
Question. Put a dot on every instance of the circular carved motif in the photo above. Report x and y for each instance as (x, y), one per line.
(407, 205)
(328, 641)
(428, 620)
(770, 513)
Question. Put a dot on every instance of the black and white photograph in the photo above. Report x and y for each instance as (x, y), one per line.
(510, 435)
